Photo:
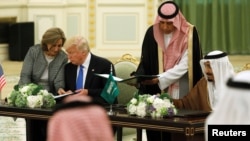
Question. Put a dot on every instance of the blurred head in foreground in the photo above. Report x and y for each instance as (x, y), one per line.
(234, 106)
(79, 119)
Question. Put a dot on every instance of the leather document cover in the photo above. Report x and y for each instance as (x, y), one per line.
(191, 113)
(132, 80)
(63, 95)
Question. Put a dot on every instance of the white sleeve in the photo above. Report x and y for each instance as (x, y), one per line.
(174, 74)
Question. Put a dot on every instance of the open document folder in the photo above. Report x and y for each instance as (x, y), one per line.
(63, 95)
(131, 80)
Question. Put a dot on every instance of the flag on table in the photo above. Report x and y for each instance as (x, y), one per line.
(2, 78)
(110, 91)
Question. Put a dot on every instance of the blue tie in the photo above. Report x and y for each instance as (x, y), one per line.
(79, 81)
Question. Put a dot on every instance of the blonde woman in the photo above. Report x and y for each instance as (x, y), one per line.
(44, 65)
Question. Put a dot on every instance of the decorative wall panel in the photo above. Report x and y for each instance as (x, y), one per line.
(113, 27)
(120, 28)
(43, 22)
(73, 24)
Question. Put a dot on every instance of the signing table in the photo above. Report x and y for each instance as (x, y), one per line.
(189, 127)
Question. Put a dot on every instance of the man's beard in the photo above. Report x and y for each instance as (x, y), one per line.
(210, 80)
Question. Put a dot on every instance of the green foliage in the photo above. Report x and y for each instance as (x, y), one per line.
(165, 95)
(16, 87)
(12, 97)
(34, 89)
(136, 95)
(30, 89)
(30, 95)
(20, 101)
(48, 101)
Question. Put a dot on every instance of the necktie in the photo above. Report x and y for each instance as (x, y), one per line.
(79, 81)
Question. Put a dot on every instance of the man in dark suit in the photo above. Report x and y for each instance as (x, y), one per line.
(79, 54)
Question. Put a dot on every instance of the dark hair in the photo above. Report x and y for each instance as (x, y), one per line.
(51, 36)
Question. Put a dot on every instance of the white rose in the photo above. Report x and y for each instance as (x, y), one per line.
(158, 103)
(168, 103)
(24, 89)
(35, 101)
(141, 109)
(133, 101)
(43, 92)
(175, 111)
(132, 109)
(151, 99)
(158, 115)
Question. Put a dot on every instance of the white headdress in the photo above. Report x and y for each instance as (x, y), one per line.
(222, 70)
(233, 107)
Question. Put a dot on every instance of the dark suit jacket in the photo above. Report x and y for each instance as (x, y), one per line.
(93, 83)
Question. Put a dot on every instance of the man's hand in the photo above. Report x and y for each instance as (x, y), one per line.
(137, 85)
(82, 91)
(62, 91)
(150, 82)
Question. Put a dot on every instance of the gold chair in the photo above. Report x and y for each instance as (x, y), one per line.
(123, 67)
(245, 67)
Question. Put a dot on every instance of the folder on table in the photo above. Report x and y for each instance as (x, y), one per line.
(63, 95)
(191, 113)
(131, 80)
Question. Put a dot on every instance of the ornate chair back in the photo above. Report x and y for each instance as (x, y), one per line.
(123, 67)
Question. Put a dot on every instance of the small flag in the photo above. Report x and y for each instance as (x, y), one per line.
(110, 91)
(2, 78)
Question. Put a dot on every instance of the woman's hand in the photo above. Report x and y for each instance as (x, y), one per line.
(61, 91)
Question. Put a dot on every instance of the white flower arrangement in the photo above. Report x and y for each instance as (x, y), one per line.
(32, 96)
(156, 106)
